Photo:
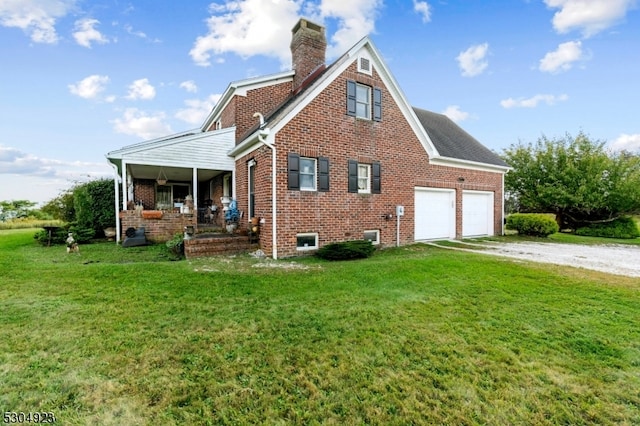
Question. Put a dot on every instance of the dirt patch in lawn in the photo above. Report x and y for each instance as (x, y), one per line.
(614, 259)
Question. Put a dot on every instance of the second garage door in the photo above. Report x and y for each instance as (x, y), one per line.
(477, 213)
(435, 216)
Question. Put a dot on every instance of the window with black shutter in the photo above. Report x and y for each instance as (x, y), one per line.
(323, 174)
(357, 172)
(377, 104)
(375, 178)
(293, 166)
(351, 98)
(353, 176)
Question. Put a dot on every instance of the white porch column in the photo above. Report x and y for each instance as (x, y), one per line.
(125, 192)
(195, 190)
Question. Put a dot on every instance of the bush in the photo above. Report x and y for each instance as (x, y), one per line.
(59, 235)
(175, 245)
(623, 227)
(94, 205)
(346, 250)
(533, 224)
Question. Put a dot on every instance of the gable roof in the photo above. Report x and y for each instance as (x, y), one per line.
(444, 142)
(453, 142)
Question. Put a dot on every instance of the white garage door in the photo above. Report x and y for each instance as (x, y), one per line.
(477, 213)
(435, 213)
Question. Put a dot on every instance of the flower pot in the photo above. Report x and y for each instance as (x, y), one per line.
(151, 214)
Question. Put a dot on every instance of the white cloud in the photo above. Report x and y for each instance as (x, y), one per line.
(197, 109)
(138, 123)
(37, 18)
(129, 29)
(473, 61)
(356, 19)
(626, 142)
(85, 33)
(16, 162)
(562, 58)
(247, 28)
(588, 16)
(141, 89)
(90, 87)
(533, 101)
(423, 9)
(43, 178)
(455, 113)
(263, 27)
(189, 86)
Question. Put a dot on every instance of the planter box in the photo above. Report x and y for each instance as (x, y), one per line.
(151, 214)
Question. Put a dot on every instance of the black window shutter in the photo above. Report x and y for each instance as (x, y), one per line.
(375, 176)
(323, 174)
(351, 98)
(293, 165)
(377, 104)
(353, 176)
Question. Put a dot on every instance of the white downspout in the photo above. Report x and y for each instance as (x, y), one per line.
(117, 203)
(261, 137)
(503, 207)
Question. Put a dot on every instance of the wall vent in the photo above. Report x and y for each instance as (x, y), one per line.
(364, 65)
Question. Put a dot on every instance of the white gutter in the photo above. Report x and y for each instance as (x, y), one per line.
(262, 133)
(117, 203)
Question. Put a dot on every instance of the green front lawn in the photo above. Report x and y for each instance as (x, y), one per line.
(414, 335)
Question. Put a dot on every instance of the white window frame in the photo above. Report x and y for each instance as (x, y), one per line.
(364, 179)
(369, 231)
(307, 247)
(363, 101)
(312, 171)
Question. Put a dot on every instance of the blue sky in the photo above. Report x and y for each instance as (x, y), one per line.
(81, 78)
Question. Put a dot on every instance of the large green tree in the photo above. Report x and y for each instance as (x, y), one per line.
(577, 179)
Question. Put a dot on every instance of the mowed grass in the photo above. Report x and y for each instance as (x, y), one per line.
(414, 335)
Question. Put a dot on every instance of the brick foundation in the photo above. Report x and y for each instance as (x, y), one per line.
(156, 230)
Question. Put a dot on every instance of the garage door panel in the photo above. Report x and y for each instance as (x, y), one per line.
(434, 214)
(477, 213)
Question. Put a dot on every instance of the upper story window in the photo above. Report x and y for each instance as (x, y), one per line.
(364, 101)
(307, 174)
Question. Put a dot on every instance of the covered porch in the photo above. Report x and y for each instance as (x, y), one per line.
(170, 183)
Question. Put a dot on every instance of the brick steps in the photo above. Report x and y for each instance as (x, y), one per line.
(217, 245)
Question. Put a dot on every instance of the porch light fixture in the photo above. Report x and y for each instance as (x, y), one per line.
(162, 177)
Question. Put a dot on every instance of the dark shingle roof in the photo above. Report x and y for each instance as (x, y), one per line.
(453, 142)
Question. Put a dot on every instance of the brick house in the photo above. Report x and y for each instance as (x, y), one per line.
(322, 153)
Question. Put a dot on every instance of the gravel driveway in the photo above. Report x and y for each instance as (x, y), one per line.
(614, 259)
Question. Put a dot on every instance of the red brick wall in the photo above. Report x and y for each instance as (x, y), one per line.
(156, 230)
(262, 100)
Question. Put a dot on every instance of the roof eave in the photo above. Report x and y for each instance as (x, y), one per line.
(468, 164)
(233, 87)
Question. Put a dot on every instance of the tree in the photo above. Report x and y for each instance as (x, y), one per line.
(15, 209)
(577, 179)
(61, 207)
(93, 203)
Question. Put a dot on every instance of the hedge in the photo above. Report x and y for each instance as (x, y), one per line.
(623, 227)
(533, 224)
(346, 250)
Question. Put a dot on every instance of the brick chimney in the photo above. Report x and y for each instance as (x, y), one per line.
(308, 49)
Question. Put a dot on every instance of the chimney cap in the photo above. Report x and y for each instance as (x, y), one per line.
(304, 23)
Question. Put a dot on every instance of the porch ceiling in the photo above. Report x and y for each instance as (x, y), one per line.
(142, 171)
